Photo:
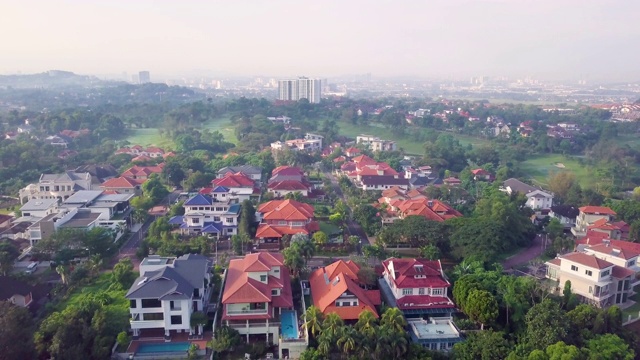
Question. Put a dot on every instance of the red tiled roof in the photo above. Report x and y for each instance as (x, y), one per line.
(136, 170)
(405, 271)
(288, 185)
(121, 182)
(620, 272)
(266, 231)
(237, 180)
(363, 160)
(287, 170)
(587, 260)
(613, 250)
(286, 210)
(479, 172)
(555, 261)
(597, 210)
(329, 283)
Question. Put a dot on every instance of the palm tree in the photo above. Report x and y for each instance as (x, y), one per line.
(393, 319)
(331, 324)
(62, 271)
(398, 342)
(324, 344)
(293, 260)
(313, 320)
(367, 323)
(347, 340)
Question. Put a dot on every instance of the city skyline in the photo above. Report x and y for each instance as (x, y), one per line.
(285, 39)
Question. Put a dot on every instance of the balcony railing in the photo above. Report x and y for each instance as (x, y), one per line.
(147, 324)
(247, 312)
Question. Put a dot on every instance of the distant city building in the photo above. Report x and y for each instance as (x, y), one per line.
(144, 77)
(301, 88)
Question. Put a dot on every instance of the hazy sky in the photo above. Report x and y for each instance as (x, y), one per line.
(544, 38)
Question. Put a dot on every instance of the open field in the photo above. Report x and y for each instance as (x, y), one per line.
(410, 146)
(151, 136)
(540, 167)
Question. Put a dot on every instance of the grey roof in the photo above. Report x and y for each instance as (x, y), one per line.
(115, 197)
(171, 282)
(518, 186)
(371, 180)
(83, 197)
(38, 204)
(247, 169)
(566, 211)
(81, 219)
(65, 176)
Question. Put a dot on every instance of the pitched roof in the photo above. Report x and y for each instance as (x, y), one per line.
(372, 180)
(480, 172)
(329, 283)
(406, 270)
(121, 182)
(599, 210)
(146, 171)
(199, 199)
(287, 170)
(434, 210)
(237, 180)
(566, 211)
(287, 185)
(612, 250)
(286, 210)
(603, 224)
(363, 159)
(245, 169)
(587, 260)
(518, 186)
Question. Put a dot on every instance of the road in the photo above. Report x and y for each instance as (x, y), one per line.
(352, 227)
(526, 255)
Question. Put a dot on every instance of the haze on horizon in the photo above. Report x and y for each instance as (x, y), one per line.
(548, 39)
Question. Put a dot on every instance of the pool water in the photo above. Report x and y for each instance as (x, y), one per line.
(163, 347)
(289, 324)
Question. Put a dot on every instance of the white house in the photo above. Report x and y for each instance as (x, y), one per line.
(537, 199)
(204, 214)
(168, 292)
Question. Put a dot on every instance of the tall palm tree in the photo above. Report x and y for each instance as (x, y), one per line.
(324, 344)
(347, 340)
(332, 324)
(398, 342)
(367, 323)
(62, 271)
(313, 320)
(393, 319)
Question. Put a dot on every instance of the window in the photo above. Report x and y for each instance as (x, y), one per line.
(590, 289)
(630, 263)
(338, 303)
(176, 319)
(282, 223)
(443, 346)
(436, 291)
(421, 291)
(407, 291)
(588, 272)
(274, 292)
(574, 268)
(201, 208)
(216, 218)
(229, 220)
(263, 278)
(132, 304)
(153, 316)
(219, 209)
(173, 305)
(195, 220)
(150, 303)
(605, 273)
(196, 293)
(276, 270)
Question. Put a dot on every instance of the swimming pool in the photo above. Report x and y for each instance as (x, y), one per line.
(171, 347)
(289, 324)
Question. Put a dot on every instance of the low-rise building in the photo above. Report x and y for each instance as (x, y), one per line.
(56, 186)
(374, 143)
(39, 207)
(566, 214)
(204, 214)
(16, 291)
(418, 287)
(398, 204)
(241, 187)
(537, 199)
(167, 293)
(283, 217)
(435, 334)
(253, 172)
(588, 216)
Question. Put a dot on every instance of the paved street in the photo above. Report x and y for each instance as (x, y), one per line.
(526, 255)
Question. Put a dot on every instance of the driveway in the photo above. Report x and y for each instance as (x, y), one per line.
(523, 257)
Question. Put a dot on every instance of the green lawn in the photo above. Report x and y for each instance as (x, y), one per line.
(410, 146)
(329, 228)
(151, 136)
(102, 283)
(540, 167)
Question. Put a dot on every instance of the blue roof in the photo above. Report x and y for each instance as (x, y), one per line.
(234, 209)
(199, 200)
(212, 227)
(176, 220)
(220, 189)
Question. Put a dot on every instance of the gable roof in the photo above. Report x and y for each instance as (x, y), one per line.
(137, 170)
(518, 186)
(237, 180)
(287, 185)
(566, 211)
(121, 182)
(405, 272)
(199, 199)
(598, 210)
(286, 210)
(287, 170)
(373, 180)
(608, 249)
(245, 169)
(587, 260)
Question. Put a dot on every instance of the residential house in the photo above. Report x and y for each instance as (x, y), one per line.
(588, 216)
(376, 144)
(137, 150)
(435, 334)
(39, 207)
(123, 185)
(282, 173)
(373, 182)
(566, 214)
(482, 175)
(72, 134)
(352, 152)
(613, 230)
(99, 173)
(500, 129)
(537, 199)
(257, 301)
(452, 181)
(25, 128)
(167, 293)
(241, 187)
(336, 288)
(280, 189)
(418, 287)
(58, 140)
(137, 172)
(283, 217)
(75, 218)
(253, 172)
(56, 186)
(5, 221)
(16, 291)
(114, 210)
(397, 203)
(595, 280)
(310, 143)
(204, 214)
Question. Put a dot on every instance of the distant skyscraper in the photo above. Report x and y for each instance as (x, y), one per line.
(144, 77)
(301, 88)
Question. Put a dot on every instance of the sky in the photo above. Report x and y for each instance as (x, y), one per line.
(548, 39)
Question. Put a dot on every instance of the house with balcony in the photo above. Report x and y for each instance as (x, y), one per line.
(283, 217)
(397, 203)
(594, 279)
(588, 215)
(537, 198)
(208, 215)
(336, 288)
(566, 214)
(376, 144)
(74, 218)
(39, 208)
(253, 172)
(257, 302)
(418, 287)
(123, 185)
(168, 291)
(56, 186)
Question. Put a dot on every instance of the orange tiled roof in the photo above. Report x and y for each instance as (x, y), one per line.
(121, 182)
(286, 210)
(597, 210)
(136, 170)
(587, 260)
(614, 251)
(273, 231)
(237, 180)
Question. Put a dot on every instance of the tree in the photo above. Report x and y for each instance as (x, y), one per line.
(554, 229)
(8, 254)
(313, 320)
(320, 238)
(347, 340)
(238, 241)
(367, 323)
(63, 271)
(123, 273)
(483, 345)
(393, 319)
(561, 182)
(293, 259)
(154, 189)
(16, 332)
(332, 324)
(430, 252)
(97, 241)
(367, 217)
(172, 173)
(463, 287)
(546, 324)
(198, 320)
(247, 219)
(123, 339)
(482, 307)
(609, 347)
(225, 339)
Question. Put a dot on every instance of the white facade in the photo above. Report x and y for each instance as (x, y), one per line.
(539, 199)
(376, 144)
(301, 88)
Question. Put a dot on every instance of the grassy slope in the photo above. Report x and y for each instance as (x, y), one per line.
(151, 136)
(540, 167)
